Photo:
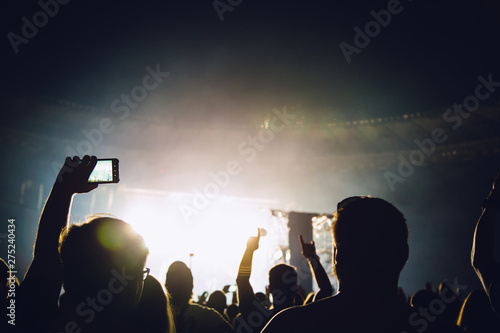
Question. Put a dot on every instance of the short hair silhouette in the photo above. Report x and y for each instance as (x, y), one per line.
(284, 278)
(179, 283)
(191, 317)
(217, 301)
(370, 235)
(263, 299)
(370, 247)
(90, 253)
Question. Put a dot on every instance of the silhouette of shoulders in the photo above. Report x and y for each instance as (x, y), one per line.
(341, 315)
(194, 318)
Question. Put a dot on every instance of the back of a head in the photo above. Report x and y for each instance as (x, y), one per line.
(217, 300)
(370, 236)
(283, 278)
(262, 298)
(95, 252)
(179, 283)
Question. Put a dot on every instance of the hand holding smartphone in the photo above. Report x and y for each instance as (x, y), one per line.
(105, 172)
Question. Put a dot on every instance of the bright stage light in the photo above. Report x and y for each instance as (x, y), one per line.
(216, 238)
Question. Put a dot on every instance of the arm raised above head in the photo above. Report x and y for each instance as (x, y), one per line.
(39, 292)
(245, 289)
(71, 179)
(317, 269)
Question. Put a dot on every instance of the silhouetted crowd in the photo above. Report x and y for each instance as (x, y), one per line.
(91, 277)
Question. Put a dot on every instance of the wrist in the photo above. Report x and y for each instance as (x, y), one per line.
(59, 191)
(250, 250)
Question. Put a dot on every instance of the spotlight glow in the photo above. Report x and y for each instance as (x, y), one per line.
(212, 244)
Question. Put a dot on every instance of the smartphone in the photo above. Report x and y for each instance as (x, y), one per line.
(105, 171)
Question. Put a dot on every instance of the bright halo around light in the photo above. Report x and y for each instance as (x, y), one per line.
(212, 244)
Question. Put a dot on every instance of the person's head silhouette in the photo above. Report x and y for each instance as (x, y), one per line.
(282, 282)
(370, 248)
(370, 239)
(104, 258)
(179, 283)
(217, 301)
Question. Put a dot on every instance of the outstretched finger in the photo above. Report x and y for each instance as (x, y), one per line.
(301, 239)
(92, 162)
(89, 164)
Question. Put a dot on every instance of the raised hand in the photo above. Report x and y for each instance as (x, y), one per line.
(73, 178)
(308, 249)
(317, 270)
(253, 242)
(74, 175)
(202, 299)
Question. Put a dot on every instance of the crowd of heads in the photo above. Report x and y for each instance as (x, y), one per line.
(104, 259)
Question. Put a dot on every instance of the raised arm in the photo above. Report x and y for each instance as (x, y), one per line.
(54, 218)
(484, 238)
(39, 292)
(317, 270)
(245, 290)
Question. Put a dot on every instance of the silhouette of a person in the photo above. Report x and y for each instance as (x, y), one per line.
(370, 249)
(191, 317)
(101, 264)
(282, 286)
